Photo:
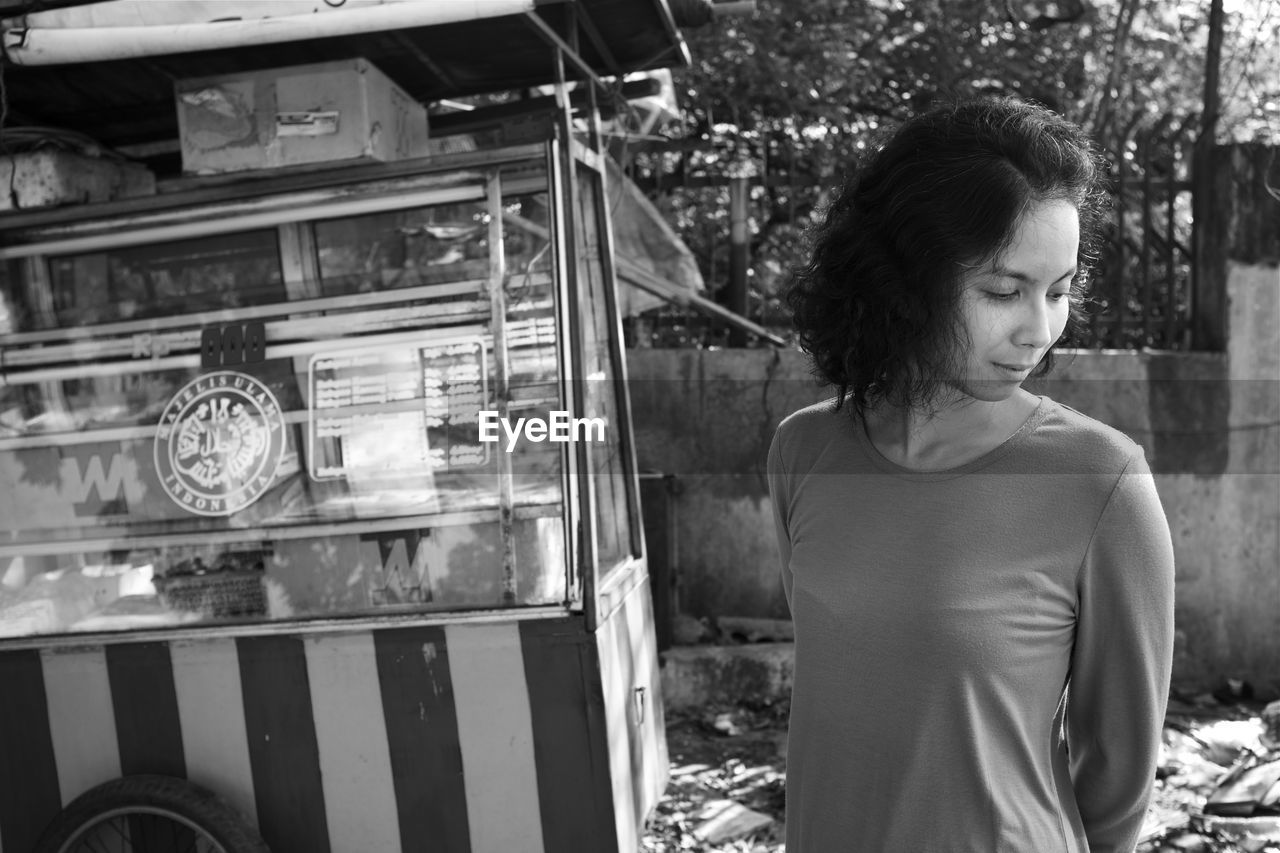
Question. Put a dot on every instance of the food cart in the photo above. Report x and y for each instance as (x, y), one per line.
(319, 516)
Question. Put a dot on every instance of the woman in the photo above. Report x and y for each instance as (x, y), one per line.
(981, 579)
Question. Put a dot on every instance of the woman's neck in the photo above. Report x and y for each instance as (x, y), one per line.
(948, 435)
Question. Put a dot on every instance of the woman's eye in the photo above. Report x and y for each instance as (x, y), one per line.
(1002, 296)
(1058, 297)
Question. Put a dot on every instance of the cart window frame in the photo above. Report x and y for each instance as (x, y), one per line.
(603, 330)
(605, 584)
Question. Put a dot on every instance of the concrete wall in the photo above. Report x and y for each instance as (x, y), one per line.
(1210, 424)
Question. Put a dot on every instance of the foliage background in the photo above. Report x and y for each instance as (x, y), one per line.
(799, 90)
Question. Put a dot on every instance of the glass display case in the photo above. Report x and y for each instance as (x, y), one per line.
(233, 420)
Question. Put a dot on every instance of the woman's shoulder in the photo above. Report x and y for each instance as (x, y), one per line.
(819, 419)
(812, 427)
(1086, 441)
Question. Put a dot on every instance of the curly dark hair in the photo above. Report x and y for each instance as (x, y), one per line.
(876, 304)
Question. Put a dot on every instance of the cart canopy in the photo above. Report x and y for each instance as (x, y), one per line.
(493, 45)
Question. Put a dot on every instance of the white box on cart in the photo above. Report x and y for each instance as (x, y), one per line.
(329, 111)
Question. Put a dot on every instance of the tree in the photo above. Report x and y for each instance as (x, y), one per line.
(798, 91)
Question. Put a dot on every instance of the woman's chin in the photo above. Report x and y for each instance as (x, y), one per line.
(987, 390)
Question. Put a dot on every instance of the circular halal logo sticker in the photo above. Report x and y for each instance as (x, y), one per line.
(219, 443)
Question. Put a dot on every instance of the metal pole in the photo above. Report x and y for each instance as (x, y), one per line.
(736, 298)
(1144, 155)
(1208, 297)
(501, 392)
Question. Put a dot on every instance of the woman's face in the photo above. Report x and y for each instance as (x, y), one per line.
(1014, 308)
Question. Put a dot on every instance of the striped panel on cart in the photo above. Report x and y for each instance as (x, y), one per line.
(398, 739)
(29, 796)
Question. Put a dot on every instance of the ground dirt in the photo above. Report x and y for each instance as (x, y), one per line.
(737, 753)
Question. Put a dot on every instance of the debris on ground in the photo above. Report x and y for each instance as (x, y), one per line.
(725, 792)
(726, 820)
(1217, 785)
(725, 725)
(688, 631)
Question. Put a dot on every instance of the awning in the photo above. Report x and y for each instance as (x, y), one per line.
(644, 239)
(471, 47)
(637, 276)
(654, 264)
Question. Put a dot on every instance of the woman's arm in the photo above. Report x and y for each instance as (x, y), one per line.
(779, 495)
(1119, 683)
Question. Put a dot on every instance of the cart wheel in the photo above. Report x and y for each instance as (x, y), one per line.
(149, 814)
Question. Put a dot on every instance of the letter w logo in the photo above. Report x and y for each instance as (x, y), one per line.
(403, 579)
(94, 488)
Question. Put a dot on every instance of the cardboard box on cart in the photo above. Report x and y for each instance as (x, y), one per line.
(329, 111)
(50, 176)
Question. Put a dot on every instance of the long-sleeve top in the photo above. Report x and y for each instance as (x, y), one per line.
(982, 654)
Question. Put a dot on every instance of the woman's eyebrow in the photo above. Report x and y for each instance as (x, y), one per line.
(1005, 272)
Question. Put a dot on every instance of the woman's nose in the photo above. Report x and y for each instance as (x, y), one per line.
(1034, 324)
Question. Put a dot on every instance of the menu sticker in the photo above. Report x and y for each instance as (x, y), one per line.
(397, 410)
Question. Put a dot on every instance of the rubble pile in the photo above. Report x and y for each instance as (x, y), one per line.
(1217, 786)
(725, 793)
(1218, 780)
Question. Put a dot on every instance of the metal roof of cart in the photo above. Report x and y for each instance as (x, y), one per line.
(60, 69)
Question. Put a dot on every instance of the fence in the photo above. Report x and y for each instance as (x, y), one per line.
(1140, 296)
(1141, 292)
